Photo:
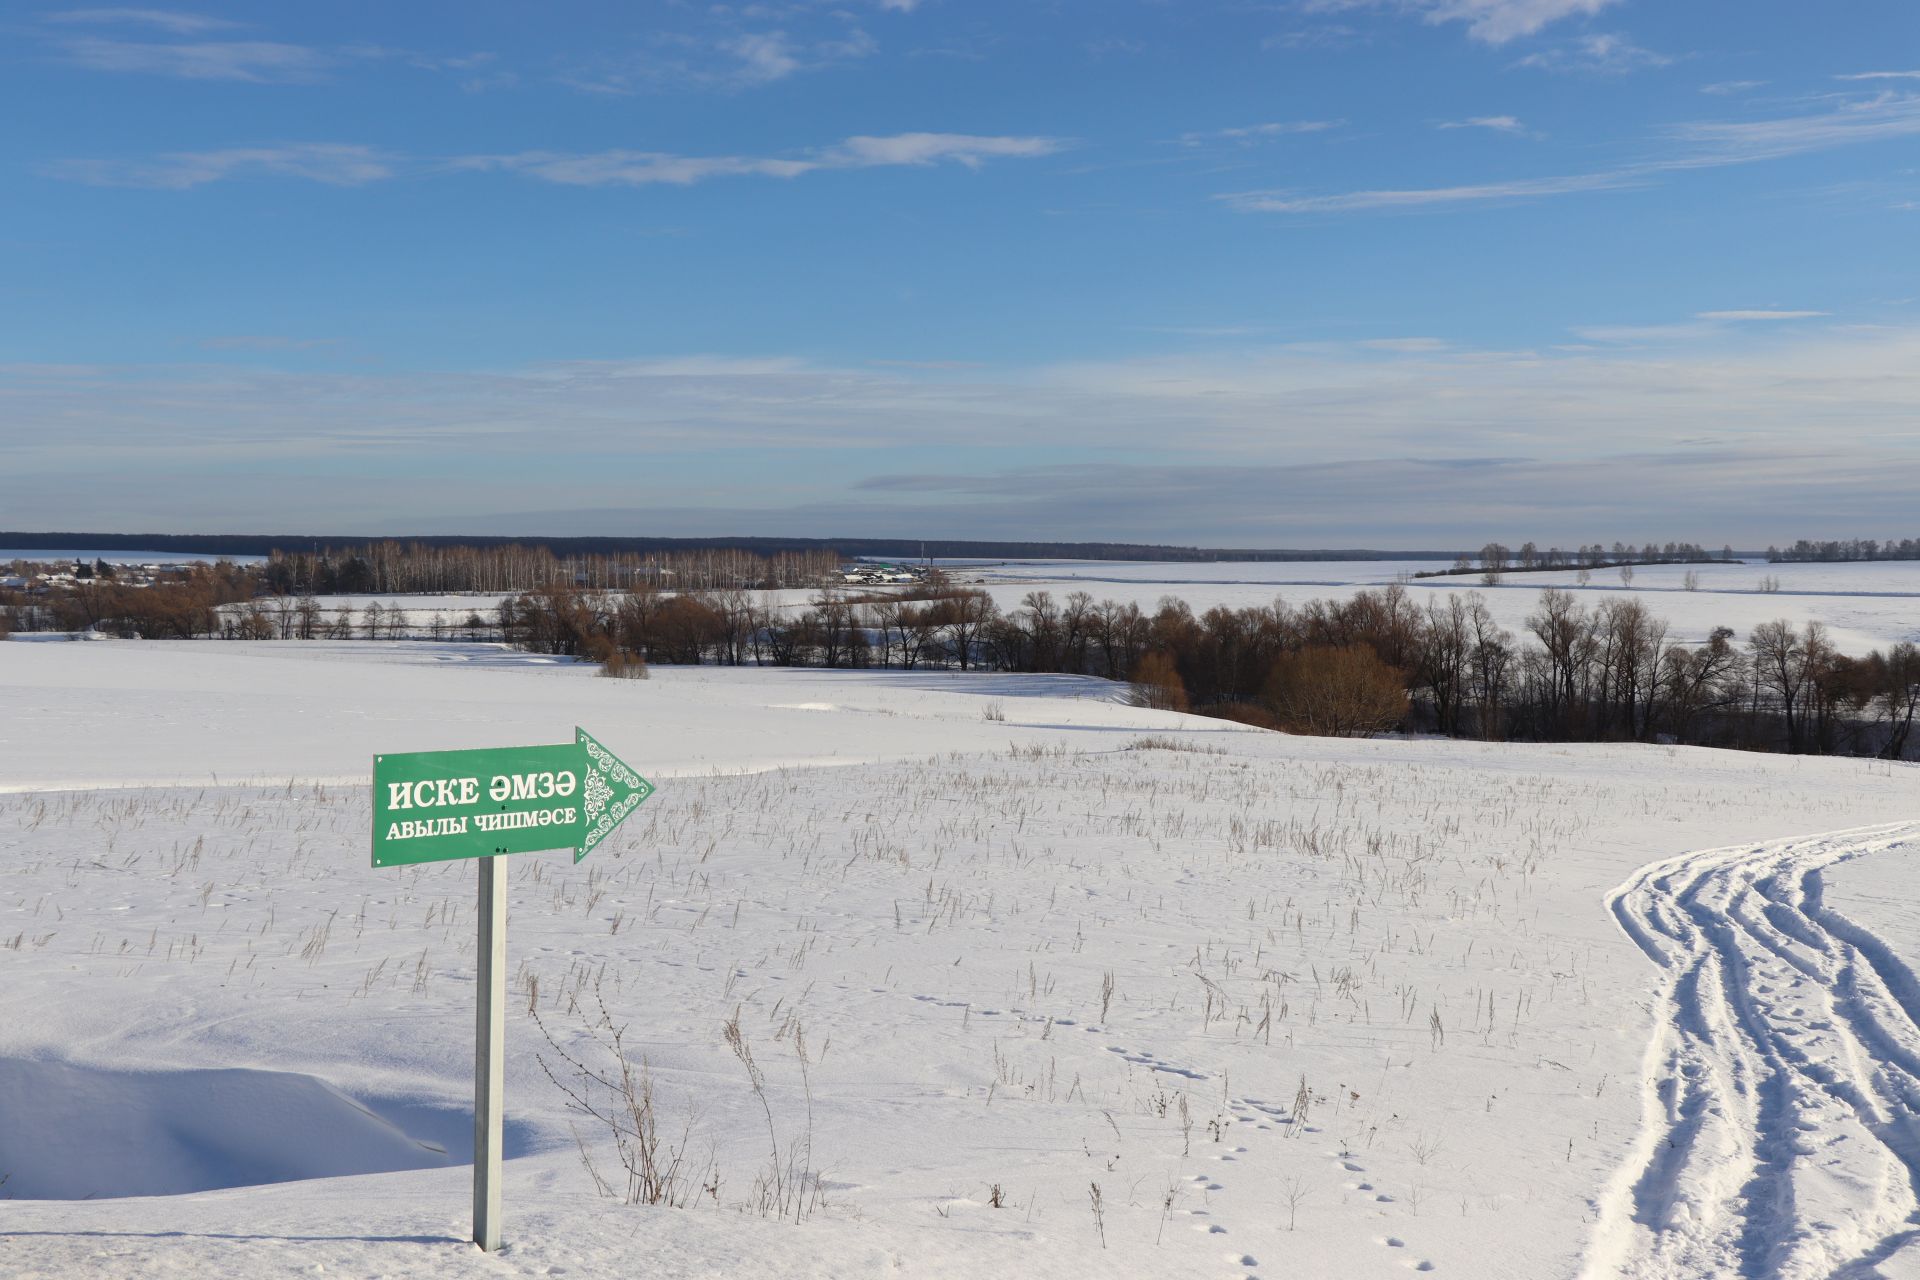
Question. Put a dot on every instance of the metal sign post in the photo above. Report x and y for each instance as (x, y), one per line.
(434, 806)
(489, 1052)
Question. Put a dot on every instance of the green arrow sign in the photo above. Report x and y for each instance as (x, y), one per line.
(433, 806)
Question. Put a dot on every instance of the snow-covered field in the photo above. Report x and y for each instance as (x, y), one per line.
(1295, 1007)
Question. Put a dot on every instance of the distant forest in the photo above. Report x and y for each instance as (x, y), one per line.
(210, 544)
(1846, 549)
(248, 544)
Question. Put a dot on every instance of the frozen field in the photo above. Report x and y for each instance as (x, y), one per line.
(1295, 1007)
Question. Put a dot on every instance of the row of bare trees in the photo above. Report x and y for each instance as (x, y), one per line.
(1496, 557)
(1848, 549)
(1377, 660)
(396, 567)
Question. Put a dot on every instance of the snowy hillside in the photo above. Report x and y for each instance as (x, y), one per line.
(1033, 983)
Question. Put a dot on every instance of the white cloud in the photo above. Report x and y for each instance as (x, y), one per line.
(1882, 116)
(1703, 145)
(1881, 75)
(632, 168)
(1326, 35)
(1610, 55)
(1726, 88)
(1247, 135)
(1498, 21)
(927, 148)
(765, 57)
(342, 164)
(258, 61)
(1499, 124)
(335, 164)
(1424, 197)
(641, 168)
(162, 19)
(1490, 21)
(728, 60)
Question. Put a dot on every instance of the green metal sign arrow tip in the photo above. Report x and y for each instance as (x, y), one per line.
(610, 790)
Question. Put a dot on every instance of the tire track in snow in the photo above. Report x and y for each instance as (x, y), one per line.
(1780, 1092)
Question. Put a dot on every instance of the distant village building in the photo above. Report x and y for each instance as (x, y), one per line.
(881, 574)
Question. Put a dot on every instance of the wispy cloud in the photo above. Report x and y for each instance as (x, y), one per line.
(727, 60)
(1694, 145)
(644, 168)
(1705, 326)
(929, 148)
(1425, 197)
(168, 20)
(346, 165)
(332, 163)
(1714, 142)
(1489, 21)
(474, 71)
(1323, 35)
(1607, 55)
(1248, 135)
(767, 56)
(1727, 88)
(632, 168)
(1498, 124)
(1881, 75)
(257, 61)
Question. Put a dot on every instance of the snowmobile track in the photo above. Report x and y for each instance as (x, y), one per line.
(1780, 1093)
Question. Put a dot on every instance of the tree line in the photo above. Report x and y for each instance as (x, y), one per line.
(1497, 558)
(1373, 662)
(390, 567)
(1847, 549)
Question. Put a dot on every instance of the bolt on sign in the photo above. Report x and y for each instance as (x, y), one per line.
(433, 806)
(436, 806)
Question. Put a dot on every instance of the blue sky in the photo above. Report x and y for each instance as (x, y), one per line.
(1399, 273)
